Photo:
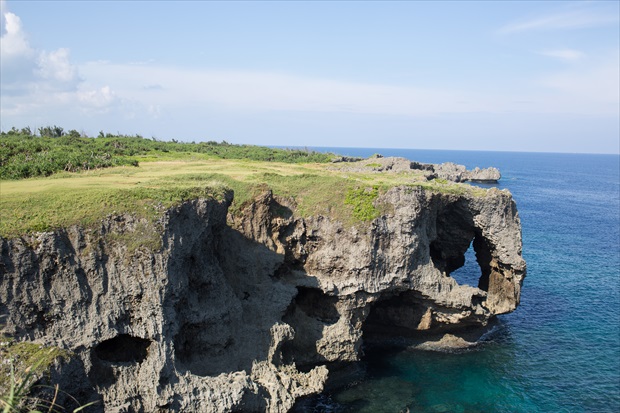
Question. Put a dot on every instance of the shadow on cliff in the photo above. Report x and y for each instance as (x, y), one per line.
(410, 314)
(226, 292)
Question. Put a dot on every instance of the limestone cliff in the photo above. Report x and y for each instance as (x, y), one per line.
(448, 171)
(247, 312)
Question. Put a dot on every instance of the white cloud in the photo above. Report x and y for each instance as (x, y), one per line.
(26, 70)
(46, 85)
(35, 81)
(14, 42)
(97, 98)
(17, 58)
(55, 66)
(564, 54)
(574, 19)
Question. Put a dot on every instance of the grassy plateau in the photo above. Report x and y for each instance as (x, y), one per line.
(48, 183)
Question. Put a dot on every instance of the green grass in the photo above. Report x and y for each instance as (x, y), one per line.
(24, 156)
(22, 364)
(167, 178)
(57, 207)
(362, 200)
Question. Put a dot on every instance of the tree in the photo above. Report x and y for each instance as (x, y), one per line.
(51, 131)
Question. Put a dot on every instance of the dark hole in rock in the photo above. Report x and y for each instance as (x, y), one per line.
(316, 304)
(398, 315)
(470, 272)
(484, 257)
(435, 253)
(448, 257)
(123, 349)
(469, 265)
(309, 312)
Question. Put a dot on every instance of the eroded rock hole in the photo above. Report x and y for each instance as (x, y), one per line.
(484, 258)
(400, 315)
(309, 313)
(476, 266)
(316, 304)
(123, 349)
(460, 251)
(470, 272)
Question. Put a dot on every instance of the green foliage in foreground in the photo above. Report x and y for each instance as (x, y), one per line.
(23, 364)
(23, 155)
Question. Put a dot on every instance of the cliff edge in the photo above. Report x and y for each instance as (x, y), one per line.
(247, 312)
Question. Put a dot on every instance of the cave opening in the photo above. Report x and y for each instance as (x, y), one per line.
(309, 313)
(459, 249)
(123, 349)
(470, 272)
(314, 303)
(402, 314)
(466, 260)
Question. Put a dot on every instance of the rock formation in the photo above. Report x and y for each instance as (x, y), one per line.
(248, 312)
(458, 173)
(448, 171)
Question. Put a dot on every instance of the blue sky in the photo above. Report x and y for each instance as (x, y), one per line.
(514, 76)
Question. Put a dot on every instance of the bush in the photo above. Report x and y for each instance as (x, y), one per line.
(23, 155)
(362, 200)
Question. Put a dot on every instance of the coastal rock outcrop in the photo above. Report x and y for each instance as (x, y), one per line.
(224, 313)
(448, 171)
(458, 173)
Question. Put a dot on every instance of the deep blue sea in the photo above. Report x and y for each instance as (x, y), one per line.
(560, 350)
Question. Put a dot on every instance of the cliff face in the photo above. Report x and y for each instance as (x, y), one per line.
(244, 313)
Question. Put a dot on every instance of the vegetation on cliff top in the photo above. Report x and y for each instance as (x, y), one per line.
(168, 173)
(23, 155)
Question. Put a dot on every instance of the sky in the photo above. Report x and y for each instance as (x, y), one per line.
(490, 75)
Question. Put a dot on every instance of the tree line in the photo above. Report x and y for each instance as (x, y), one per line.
(24, 154)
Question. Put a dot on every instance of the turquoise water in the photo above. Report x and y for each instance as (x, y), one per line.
(560, 350)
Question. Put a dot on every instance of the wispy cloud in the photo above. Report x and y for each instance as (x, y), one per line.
(587, 88)
(596, 86)
(574, 19)
(263, 91)
(564, 54)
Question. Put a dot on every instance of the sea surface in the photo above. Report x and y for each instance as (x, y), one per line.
(560, 350)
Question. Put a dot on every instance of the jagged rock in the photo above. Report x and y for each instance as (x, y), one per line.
(484, 175)
(458, 173)
(448, 171)
(337, 159)
(247, 314)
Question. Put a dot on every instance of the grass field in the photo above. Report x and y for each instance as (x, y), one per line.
(63, 199)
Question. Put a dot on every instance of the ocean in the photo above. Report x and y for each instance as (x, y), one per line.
(560, 350)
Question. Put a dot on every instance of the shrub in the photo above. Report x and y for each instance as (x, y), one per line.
(362, 200)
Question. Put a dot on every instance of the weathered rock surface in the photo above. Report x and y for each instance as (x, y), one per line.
(458, 173)
(448, 171)
(247, 313)
(484, 175)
